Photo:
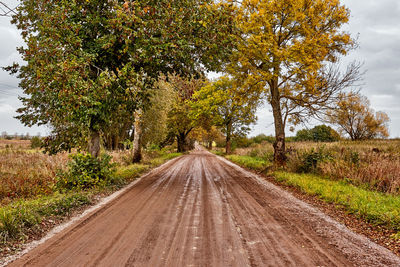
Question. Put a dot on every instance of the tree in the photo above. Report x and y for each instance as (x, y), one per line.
(354, 117)
(72, 61)
(160, 103)
(320, 133)
(87, 59)
(286, 50)
(207, 135)
(179, 122)
(225, 107)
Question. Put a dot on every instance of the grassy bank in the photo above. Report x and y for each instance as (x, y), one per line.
(375, 207)
(254, 163)
(24, 218)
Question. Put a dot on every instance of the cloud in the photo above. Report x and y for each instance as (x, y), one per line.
(6, 108)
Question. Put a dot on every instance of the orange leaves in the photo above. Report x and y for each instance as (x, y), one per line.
(357, 119)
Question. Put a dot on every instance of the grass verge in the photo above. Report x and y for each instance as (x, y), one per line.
(375, 207)
(23, 219)
(254, 163)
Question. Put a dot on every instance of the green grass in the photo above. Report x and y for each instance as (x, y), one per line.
(163, 158)
(375, 207)
(218, 152)
(254, 163)
(131, 172)
(24, 216)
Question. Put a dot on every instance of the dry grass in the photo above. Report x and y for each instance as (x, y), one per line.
(15, 144)
(26, 174)
(372, 164)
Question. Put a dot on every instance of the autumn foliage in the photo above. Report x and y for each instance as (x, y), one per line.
(284, 50)
(356, 119)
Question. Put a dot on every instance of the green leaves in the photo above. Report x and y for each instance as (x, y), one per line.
(90, 62)
(85, 171)
(222, 103)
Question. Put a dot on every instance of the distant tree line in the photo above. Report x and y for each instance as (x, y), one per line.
(27, 136)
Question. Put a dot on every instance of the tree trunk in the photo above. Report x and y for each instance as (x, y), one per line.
(115, 142)
(210, 143)
(181, 141)
(94, 143)
(137, 144)
(228, 146)
(279, 144)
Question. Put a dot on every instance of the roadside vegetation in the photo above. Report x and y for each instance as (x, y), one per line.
(363, 177)
(36, 188)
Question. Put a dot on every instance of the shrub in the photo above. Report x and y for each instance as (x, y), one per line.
(241, 141)
(263, 138)
(85, 171)
(36, 142)
(320, 133)
(312, 158)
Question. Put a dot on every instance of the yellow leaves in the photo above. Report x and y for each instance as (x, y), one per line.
(288, 38)
(357, 119)
(203, 23)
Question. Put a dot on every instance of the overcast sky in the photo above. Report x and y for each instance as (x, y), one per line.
(376, 22)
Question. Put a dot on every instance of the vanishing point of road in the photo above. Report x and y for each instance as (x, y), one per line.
(202, 210)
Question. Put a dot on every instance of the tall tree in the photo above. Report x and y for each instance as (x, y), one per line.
(354, 117)
(87, 58)
(285, 50)
(226, 107)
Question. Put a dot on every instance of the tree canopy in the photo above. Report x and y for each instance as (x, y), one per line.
(88, 60)
(354, 117)
(320, 133)
(223, 105)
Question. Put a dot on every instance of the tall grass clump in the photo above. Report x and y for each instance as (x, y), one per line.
(27, 174)
(362, 164)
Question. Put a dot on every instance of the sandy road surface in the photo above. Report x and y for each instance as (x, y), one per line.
(201, 210)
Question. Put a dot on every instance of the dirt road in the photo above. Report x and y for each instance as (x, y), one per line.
(201, 210)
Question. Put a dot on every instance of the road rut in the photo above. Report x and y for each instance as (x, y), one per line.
(202, 210)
